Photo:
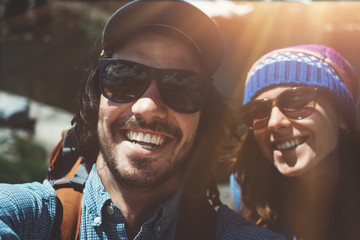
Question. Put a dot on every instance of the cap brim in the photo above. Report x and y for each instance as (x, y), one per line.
(177, 14)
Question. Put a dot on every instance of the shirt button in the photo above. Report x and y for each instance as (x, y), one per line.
(110, 210)
(158, 228)
(97, 220)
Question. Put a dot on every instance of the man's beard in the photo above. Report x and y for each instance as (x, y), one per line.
(145, 180)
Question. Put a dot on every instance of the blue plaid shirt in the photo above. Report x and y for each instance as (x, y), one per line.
(27, 211)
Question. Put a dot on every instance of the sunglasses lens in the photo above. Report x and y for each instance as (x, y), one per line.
(184, 91)
(256, 113)
(123, 82)
(297, 103)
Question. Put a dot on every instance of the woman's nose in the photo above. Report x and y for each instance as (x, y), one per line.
(277, 120)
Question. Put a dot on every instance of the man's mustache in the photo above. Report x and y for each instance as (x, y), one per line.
(138, 121)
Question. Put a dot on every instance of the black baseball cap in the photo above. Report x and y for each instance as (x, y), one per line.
(180, 15)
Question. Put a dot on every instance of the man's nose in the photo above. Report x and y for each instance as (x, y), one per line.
(150, 104)
(277, 120)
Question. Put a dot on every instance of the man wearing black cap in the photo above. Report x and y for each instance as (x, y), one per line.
(149, 126)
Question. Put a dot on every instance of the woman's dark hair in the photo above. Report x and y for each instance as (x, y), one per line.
(260, 183)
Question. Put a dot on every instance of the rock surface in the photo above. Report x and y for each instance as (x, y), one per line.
(49, 121)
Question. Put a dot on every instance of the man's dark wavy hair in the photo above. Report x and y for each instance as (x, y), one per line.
(216, 127)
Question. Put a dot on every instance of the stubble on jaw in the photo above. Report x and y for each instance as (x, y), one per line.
(139, 163)
(137, 176)
(144, 180)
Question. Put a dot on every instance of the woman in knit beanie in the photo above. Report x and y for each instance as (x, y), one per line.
(298, 165)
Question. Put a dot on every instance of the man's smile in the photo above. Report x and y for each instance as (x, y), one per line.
(146, 140)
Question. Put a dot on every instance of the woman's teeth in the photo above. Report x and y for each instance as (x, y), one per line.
(289, 144)
(147, 138)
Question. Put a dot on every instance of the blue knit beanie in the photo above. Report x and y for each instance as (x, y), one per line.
(313, 65)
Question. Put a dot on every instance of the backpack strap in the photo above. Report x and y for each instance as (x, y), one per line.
(68, 185)
(197, 220)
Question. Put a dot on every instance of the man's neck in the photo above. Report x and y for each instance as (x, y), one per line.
(136, 205)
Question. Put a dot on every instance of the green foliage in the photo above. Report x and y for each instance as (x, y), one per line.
(93, 29)
(28, 165)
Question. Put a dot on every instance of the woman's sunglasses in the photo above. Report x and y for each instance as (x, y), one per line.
(125, 81)
(294, 103)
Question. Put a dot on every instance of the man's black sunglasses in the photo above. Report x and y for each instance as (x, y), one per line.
(125, 81)
(294, 103)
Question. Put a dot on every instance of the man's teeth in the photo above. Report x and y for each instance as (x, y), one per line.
(289, 144)
(149, 147)
(145, 137)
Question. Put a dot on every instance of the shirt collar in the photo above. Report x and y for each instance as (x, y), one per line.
(96, 197)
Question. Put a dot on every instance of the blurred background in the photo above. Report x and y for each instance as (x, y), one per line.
(47, 45)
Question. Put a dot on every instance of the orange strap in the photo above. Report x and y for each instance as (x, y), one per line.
(68, 214)
(54, 155)
(71, 207)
